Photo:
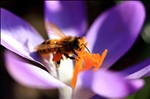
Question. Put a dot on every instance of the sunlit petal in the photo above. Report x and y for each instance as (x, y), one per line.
(18, 36)
(28, 74)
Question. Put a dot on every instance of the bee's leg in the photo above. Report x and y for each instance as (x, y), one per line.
(74, 52)
(57, 64)
(62, 58)
(67, 56)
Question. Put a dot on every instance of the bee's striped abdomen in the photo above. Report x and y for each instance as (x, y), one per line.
(48, 47)
(47, 51)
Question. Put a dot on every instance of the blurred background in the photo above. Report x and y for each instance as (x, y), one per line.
(33, 13)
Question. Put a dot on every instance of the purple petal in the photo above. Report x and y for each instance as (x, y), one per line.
(29, 75)
(109, 84)
(68, 15)
(97, 97)
(17, 35)
(116, 30)
(81, 92)
(139, 70)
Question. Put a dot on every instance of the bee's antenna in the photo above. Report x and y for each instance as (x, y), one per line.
(86, 48)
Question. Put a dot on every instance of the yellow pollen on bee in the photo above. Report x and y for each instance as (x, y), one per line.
(93, 61)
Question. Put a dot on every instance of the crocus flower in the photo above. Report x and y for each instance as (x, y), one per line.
(116, 29)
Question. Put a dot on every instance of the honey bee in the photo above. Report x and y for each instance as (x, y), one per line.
(66, 45)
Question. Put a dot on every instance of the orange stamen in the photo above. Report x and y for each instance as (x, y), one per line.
(90, 61)
(100, 60)
(78, 68)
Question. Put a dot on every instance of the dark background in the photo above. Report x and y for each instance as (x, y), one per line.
(33, 12)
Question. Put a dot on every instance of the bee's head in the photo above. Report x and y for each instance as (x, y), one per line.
(78, 44)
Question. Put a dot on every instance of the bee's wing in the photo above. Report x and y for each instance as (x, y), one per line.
(45, 46)
(54, 30)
